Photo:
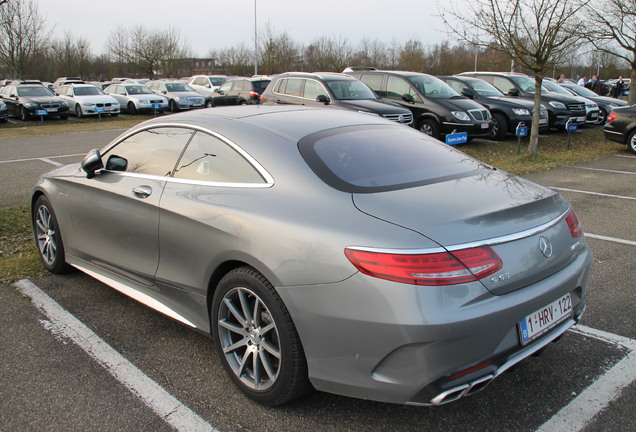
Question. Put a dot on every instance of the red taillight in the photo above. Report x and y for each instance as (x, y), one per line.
(254, 94)
(444, 268)
(261, 97)
(611, 117)
(576, 229)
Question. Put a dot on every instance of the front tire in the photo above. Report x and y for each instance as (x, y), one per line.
(173, 106)
(602, 117)
(256, 339)
(24, 115)
(78, 111)
(132, 109)
(48, 238)
(209, 103)
(429, 127)
(499, 127)
(631, 142)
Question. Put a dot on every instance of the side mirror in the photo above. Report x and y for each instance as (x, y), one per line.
(323, 99)
(468, 93)
(92, 162)
(408, 98)
(513, 92)
(116, 163)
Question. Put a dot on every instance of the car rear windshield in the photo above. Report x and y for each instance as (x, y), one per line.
(378, 158)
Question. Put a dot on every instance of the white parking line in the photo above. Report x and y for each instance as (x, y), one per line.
(612, 239)
(604, 170)
(166, 406)
(573, 417)
(581, 411)
(593, 193)
(44, 159)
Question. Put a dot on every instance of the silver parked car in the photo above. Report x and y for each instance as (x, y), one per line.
(323, 248)
(135, 98)
(180, 95)
(86, 99)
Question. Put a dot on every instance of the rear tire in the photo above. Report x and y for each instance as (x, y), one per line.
(256, 339)
(48, 238)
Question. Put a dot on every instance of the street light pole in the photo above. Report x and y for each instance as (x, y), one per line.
(255, 43)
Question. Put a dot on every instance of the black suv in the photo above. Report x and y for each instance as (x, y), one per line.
(437, 109)
(28, 100)
(334, 90)
(507, 111)
(245, 90)
(561, 108)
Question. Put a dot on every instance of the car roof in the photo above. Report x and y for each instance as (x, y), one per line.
(292, 122)
(325, 76)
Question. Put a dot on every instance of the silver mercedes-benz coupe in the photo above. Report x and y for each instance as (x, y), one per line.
(323, 249)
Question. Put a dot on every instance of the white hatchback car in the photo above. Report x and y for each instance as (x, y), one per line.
(86, 99)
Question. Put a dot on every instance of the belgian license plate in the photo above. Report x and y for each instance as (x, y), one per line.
(544, 319)
(52, 109)
(581, 119)
(543, 121)
(484, 125)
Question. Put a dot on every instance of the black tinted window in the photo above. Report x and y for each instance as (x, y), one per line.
(377, 158)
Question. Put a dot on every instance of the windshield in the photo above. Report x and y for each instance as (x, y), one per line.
(483, 88)
(432, 87)
(526, 84)
(34, 91)
(582, 91)
(554, 87)
(350, 90)
(87, 91)
(179, 87)
(138, 89)
(217, 81)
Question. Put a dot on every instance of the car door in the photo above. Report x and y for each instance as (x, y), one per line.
(116, 213)
(9, 96)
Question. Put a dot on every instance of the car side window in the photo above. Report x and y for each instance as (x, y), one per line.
(313, 89)
(291, 86)
(152, 151)
(503, 84)
(374, 81)
(396, 87)
(209, 158)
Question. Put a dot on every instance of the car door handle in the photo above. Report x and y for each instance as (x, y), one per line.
(142, 191)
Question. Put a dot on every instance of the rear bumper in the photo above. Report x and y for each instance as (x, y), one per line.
(410, 345)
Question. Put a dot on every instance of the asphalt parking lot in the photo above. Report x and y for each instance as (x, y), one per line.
(77, 355)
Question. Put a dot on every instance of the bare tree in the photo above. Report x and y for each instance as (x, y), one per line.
(236, 60)
(22, 36)
(610, 26)
(150, 52)
(533, 33)
(72, 55)
(278, 52)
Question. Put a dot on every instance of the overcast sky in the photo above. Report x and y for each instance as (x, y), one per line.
(214, 24)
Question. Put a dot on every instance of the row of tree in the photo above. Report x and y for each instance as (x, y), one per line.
(540, 37)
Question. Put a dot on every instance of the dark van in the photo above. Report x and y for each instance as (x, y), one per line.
(437, 109)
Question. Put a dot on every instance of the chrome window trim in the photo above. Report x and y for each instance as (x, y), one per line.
(487, 242)
(267, 177)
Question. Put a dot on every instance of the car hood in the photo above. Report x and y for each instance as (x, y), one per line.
(185, 94)
(476, 209)
(97, 99)
(374, 106)
(41, 99)
(512, 102)
(459, 104)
